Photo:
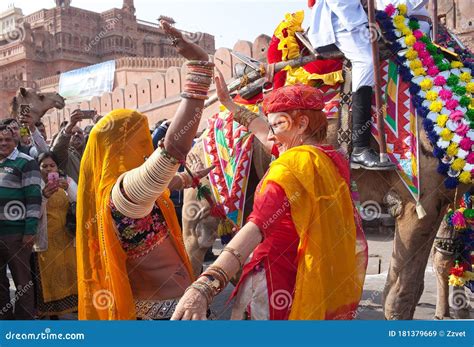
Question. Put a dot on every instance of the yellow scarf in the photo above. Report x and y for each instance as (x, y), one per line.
(329, 279)
(120, 142)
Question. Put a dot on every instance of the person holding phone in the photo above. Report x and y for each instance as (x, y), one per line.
(68, 146)
(55, 257)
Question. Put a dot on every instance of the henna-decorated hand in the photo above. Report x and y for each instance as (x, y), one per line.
(187, 49)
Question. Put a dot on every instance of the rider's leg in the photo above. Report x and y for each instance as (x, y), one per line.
(357, 48)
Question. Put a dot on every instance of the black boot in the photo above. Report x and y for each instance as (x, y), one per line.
(362, 155)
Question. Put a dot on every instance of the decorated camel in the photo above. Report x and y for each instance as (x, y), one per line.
(442, 127)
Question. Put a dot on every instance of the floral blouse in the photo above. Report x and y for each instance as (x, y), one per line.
(139, 236)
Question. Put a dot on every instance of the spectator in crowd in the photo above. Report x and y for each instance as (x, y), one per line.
(69, 145)
(37, 145)
(42, 130)
(55, 257)
(20, 201)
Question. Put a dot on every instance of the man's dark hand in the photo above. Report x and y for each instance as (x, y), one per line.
(76, 117)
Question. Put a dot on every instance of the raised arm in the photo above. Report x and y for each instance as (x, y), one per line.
(255, 123)
(136, 191)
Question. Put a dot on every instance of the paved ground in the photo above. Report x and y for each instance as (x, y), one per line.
(380, 249)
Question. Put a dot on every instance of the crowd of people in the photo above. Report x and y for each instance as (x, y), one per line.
(99, 213)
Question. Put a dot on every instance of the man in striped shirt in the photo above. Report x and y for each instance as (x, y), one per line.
(20, 204)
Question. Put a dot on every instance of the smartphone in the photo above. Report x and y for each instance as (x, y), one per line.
(53, 177)
(88, 114)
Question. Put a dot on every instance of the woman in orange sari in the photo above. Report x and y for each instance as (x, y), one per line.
(130, 253)
(309, 251)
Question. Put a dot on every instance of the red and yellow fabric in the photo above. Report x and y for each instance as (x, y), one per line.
(314, 251)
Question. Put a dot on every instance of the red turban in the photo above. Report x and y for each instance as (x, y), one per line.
(297, 97)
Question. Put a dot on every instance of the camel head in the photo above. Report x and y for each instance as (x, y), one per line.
(39, 103)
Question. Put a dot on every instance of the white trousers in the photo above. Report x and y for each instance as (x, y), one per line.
(357, 48)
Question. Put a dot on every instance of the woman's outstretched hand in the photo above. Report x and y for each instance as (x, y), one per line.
(192, 306)
(223, 92)
(187, 49)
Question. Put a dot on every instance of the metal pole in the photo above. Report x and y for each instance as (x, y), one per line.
(378, 82)
(434, 15)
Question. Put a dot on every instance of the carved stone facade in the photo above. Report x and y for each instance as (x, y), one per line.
(51, 41)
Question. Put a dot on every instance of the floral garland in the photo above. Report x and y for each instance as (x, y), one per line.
(462, 221)
(442, 93)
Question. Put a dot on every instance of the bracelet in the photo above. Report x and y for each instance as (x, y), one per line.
(167, 155)
(235, 253)
(187, 95)
(244, 116)
(218, 273)
(204, 289)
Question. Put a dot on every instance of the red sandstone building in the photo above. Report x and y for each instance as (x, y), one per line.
(51, 41)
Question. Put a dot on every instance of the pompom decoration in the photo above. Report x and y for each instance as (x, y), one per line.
(436, 106)
(458, 164)
(465, 101)
(446, 134)
(449, 87)
(428, 124)
(432, 95)
(465, 77)
(466, 144)
(465, 177)
(414, 25)
(453, 80)
(441, 120)
(433, 71)
(445, 94)
(426, 84)
(470, 87)
(438, 152)
(443, 168)
(451, 183)
(452, 149)
(452, 104)
(402, 9)
(411, 54)
(410, 40)
(440, 81)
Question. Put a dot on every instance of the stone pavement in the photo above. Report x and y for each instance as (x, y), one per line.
(380, 249)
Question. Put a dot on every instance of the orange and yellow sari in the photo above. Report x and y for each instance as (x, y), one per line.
(120, 142)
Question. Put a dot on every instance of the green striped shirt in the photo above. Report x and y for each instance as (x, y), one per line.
(20, 194)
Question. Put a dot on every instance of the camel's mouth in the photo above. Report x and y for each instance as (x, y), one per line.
(60, 104)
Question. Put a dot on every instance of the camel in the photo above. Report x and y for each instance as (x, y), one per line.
(413, 236)
(39, 103)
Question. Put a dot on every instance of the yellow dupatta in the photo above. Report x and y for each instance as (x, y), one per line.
(118, 143)
(330, 277)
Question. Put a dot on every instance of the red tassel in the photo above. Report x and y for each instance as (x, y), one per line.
(311, 3)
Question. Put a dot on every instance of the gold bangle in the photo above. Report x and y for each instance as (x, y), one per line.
(235, 253)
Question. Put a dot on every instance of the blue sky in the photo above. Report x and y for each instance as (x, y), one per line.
(227, 20)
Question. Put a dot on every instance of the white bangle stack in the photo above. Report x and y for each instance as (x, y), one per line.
(144, 185)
